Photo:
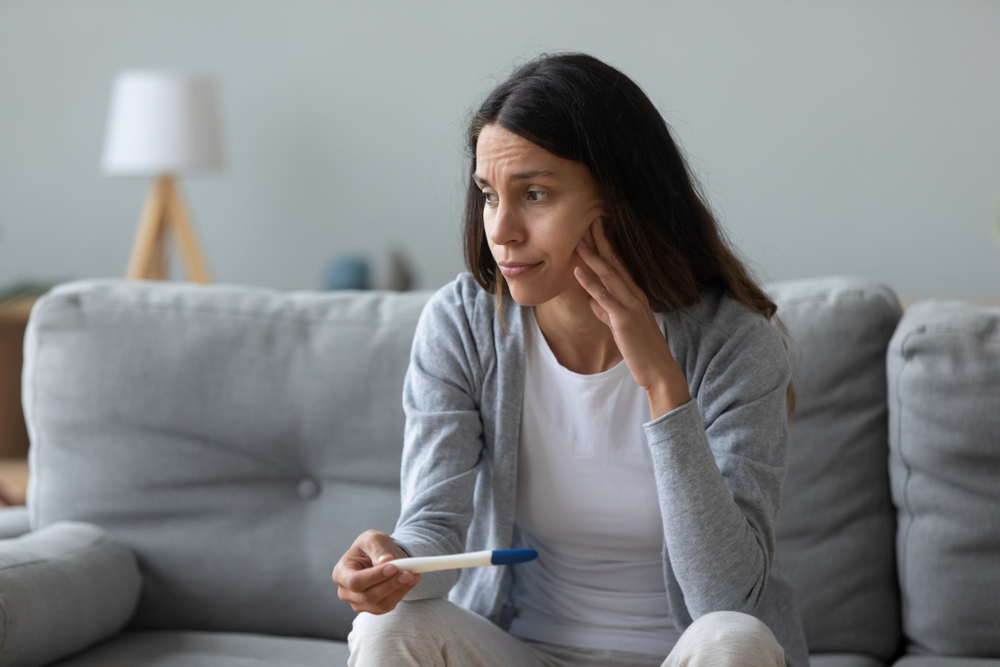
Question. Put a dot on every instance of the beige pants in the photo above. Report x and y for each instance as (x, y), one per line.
(437, 633)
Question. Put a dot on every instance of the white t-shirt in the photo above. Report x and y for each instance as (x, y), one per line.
(587, 502)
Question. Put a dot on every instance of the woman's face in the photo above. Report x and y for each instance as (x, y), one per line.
(538, 207)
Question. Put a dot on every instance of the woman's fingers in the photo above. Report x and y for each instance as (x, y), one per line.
(357, 579)
(374, 589)
(600, 295)
(394, 591)
(397, 579)
(392, 584)
(611, 280)
(600, 313)
(367, 578)
(603, 246)
(378, 546)
(607, 254)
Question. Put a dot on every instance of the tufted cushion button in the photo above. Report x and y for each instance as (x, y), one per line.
(307, 488)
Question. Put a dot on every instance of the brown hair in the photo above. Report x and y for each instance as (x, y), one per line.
(579, 108)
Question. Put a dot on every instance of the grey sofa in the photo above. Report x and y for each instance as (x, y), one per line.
(202, 456)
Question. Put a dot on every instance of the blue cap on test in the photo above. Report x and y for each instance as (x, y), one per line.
(509, 556)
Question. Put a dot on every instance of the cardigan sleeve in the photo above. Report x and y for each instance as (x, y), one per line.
(443, 442)
(720, 461)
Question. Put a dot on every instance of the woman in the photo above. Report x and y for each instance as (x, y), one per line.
(600, 290)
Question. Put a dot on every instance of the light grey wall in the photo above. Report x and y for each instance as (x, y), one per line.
(832, 137)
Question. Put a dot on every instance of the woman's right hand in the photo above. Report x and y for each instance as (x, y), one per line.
(366, 577)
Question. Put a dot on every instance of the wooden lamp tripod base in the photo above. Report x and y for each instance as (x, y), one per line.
(165, 210)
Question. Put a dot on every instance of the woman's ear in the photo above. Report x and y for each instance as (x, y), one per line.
(588, 234)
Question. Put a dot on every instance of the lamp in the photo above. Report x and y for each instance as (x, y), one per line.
(162, 124)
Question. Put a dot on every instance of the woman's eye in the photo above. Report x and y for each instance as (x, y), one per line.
(490, 197)
(536, 195)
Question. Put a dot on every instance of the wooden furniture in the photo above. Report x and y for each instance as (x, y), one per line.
(13, 481)
(13, 433)
(165, 212)
(13, 320)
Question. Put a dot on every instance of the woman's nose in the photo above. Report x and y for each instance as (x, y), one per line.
(507, 226)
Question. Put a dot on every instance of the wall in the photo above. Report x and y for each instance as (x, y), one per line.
(832, 137)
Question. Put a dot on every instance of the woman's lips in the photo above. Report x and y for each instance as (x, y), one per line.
(509, 271)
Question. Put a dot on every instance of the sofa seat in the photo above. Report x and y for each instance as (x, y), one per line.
(843, 660)
(854, 660)
(945, 661)
(231, 649)
(209, 649)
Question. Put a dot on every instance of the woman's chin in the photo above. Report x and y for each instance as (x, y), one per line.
(523, 296)
(521, 299)
(533, 295)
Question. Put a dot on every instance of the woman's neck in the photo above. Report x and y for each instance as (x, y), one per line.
(579, 341)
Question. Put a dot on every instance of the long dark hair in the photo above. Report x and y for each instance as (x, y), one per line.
(579, 108)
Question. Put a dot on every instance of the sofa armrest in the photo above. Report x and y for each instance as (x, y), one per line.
(63, 588)
(14, 522)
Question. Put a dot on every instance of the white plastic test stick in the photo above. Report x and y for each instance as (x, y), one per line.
(471, 559)
(452, 562)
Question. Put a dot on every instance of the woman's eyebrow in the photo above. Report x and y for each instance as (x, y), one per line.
(519, 176)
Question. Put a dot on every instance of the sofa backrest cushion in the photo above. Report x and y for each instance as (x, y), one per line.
(944, 437)
(836, 528)
(237, 439)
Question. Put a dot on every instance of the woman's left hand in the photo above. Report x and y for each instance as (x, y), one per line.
(618, 302)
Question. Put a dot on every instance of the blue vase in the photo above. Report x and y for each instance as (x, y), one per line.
(346, 272)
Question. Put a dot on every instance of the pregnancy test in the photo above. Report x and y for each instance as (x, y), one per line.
(471, 559)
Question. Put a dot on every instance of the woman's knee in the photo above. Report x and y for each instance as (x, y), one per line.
(411, 631)
(724, 638)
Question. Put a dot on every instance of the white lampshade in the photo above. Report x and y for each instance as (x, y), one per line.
(162, 123)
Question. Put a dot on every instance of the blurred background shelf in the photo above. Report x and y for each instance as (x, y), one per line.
(15, 308)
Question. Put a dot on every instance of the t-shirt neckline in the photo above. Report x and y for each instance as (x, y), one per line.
(550, 358)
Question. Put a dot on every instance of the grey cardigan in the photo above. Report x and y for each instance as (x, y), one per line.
(720, 459)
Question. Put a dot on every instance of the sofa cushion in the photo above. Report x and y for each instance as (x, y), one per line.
(237, 439)
(14, 522)
(210, 649)
(837, 524)
(62, 588)
(944, 414)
